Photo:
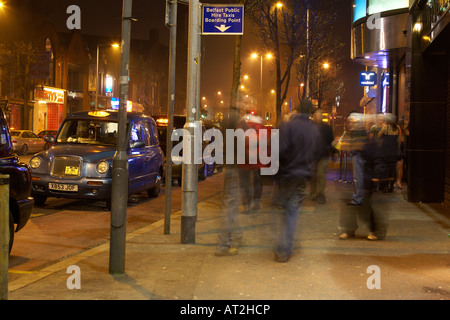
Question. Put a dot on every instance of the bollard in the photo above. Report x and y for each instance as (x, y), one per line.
(4, 236)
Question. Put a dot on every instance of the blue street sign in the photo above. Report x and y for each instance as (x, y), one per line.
(222, 19)
(386, 79)
(368, 79)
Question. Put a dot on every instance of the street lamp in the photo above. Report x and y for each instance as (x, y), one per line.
(254, 56)
(115, 45)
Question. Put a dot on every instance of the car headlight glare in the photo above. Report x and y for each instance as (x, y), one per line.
(102, 167)
(35, 162)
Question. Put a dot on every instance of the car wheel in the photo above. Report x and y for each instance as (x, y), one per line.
(39, 200)
(11, 231)
(108, 204)
(154, 191)
(23, 150)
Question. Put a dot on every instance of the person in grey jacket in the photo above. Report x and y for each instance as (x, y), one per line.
(298, 139)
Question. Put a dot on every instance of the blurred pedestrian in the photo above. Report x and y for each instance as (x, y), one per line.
(250, 181)
(401, 157)
(374, 211)
(230, 237)
(297, 147)
(376, 128)
(319, 178)
(390, 148)
(354, 140)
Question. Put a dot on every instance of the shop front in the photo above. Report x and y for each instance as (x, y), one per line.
(49, 108)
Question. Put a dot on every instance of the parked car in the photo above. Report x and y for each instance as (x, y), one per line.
(26, 141)
(44, 133)
(79, 162)
(204, 169)
(20, 201)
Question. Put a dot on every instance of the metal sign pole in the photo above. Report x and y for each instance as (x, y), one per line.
(4, 236)
(171, 17)
(119, 192)
(190, 175)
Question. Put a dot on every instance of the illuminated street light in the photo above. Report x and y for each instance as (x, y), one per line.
(326, 65)
(279, 5)
(254, 56)
(114, 45)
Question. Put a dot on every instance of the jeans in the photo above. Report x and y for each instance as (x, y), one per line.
(319, 180)
(231, 233)
(250, 184)
(358, 178)
(288, 198)
(373, 214)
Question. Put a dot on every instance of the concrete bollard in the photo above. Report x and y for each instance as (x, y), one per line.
(4, 235)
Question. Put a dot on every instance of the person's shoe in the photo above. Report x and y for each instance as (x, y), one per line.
(372, 237)
(281, 259)
(313, 197)
(345, 236)
(223, 252)
(256, 207)
(353, 203)
(321, 199)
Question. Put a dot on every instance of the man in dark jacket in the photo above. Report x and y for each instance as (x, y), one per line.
(319, 179)
(298, 142)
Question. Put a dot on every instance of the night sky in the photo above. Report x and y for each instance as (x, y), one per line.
(102, 17)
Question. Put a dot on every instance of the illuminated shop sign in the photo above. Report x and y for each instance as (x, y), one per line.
(364, 8)
(368, 78)
(109, 84)
(376, 6)
(49, 95)
(360, 9)
(115, 104)
(386, 79)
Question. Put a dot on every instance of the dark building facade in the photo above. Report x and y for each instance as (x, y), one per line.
(406, 43)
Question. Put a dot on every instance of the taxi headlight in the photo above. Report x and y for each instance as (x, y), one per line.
(102, 167)
(35, 162)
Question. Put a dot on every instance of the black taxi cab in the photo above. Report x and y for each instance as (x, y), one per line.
(79, 162)
(20, 201)
(204, 169)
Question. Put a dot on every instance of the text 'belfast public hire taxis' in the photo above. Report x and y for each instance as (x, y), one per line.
(79, 162)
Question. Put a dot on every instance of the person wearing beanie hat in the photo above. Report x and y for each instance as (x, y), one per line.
(298, 138)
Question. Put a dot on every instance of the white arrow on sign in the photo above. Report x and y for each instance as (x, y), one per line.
(222, 28)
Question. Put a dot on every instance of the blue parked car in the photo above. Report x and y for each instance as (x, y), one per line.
(79, 162)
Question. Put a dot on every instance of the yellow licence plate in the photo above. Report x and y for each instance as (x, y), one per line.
(73, 171)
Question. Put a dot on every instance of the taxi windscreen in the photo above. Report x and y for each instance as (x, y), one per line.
(91, 131)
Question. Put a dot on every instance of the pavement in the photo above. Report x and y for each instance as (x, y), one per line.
(412, 263)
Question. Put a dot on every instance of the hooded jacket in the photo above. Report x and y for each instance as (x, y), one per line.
(299, 138)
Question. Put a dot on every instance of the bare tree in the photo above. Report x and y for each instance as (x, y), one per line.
(320, 61)
(301, 34)
(281, 29)
(17, 61)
